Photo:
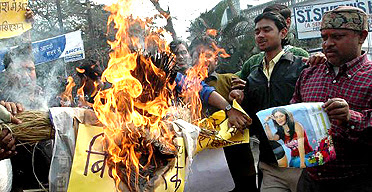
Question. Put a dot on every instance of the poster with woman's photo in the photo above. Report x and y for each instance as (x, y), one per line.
(298, 134)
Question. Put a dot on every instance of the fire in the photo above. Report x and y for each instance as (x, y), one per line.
(193, 85)
(136, 109)
(212, 32)
(81, 95)
(80, 70)
(66, 96)
(207, 54)
(133, 110)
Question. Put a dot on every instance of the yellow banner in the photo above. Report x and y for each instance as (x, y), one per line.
(217, 134)
(12, 18)
(90, 173)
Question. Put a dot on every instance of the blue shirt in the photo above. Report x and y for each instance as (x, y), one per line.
(204, 93)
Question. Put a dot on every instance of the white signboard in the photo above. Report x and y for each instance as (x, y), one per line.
(308, 17)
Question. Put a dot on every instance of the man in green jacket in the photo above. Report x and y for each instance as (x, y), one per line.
(255, 60)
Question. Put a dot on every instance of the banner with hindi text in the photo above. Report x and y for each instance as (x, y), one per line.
(90, 173)
(12, 18)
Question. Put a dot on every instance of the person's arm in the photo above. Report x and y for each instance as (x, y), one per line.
(236, 118)
(243, 74)
(246, 68)
(353, 125)
(268, 132)
(301, 143)
(298, 51)
(204, 93)
(210, 96)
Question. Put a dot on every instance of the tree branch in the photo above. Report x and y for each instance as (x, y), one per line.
(169, 27)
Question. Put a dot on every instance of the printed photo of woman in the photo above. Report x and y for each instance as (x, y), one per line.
(293, 135)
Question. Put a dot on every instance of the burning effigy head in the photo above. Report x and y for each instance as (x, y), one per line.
(134, 110)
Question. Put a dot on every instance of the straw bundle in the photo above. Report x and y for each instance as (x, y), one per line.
(36, 126)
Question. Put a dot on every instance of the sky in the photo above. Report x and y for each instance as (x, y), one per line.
(183, 11)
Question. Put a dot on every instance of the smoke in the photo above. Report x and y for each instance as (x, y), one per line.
(51, 77)
(35, 87)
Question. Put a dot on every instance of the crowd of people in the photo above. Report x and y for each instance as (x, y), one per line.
(280, 74)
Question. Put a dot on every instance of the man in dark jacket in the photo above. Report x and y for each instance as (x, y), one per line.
(271, 84)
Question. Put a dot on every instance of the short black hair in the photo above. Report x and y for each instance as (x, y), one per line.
(91, 70)
(277, 18)
(281, 9)
(173, 45)
(203, 41)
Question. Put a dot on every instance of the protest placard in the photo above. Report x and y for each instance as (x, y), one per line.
(89, 171)
(12, 18)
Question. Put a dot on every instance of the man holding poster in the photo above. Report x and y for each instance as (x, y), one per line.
(271, 84)
(344, 83)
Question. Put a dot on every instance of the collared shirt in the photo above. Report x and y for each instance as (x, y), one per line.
(268, 69)
(211, 77)
(353, 140)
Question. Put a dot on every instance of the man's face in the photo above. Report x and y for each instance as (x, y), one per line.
(267, 35)
(24, 72)
(183, 59)
(340, 45)
(207, 56)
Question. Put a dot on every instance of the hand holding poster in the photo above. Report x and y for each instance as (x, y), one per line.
(12, 18)
(298, 134)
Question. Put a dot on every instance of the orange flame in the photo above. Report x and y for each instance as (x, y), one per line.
(212, 32)
(190, 91)
(208, 54)
(133, 109)
(80, 70)
(81, 95)
(66, 96)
